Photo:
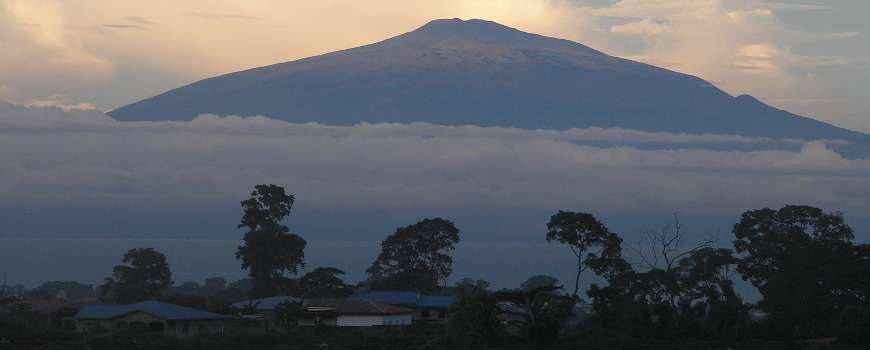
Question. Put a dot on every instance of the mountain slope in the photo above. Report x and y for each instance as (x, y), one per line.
(482, 73)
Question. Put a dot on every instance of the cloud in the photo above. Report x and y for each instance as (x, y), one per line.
(40, 58)
(644, 27)
(140, 20)
(217, 16)
(785, 7)
(6, 92)
(122, 26)
(743, 45)
(36, 46)
(75, 157)
(60, 101)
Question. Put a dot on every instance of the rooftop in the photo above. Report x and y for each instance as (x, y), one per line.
(409, 299)
(162, 310)
(352, 306)
(270, 303)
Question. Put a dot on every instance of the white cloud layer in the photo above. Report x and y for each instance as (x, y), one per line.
(51, 156)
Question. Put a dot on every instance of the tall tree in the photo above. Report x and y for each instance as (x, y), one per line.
(143, 275)
(587, 237)
(416, 257)
(323, 282)
(798, 258)
(269, 249)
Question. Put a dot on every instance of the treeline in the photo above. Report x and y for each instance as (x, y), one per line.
(814, 281)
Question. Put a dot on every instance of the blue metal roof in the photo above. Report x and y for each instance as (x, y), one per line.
(270, 303)
(165, 311)
(410, 299)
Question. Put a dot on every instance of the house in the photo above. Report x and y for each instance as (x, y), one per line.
(351, 312)
(148, 317)
(264, 310)
(427, 308)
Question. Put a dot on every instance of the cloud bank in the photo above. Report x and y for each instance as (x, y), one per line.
(76, 157)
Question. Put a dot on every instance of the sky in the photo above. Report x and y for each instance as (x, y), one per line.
(806, 56)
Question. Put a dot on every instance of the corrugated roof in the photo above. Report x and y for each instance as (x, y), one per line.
(352, 306)
(270, 303)
(162, 310)
(410, 299)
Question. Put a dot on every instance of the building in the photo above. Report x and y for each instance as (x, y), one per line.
(264, 310)
(427, 308)
(352, 312)
(148, 317)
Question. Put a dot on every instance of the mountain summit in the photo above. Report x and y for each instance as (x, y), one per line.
(457, 72)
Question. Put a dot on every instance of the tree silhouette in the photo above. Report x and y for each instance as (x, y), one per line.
(143, 275)
(803, 262)
(416, 257)
(323, 282)
(269, 250)
(587, 237)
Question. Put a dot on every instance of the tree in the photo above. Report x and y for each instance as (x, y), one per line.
(801, 259)
(540, 281)
(188, 288)
(468, 286)
(707, 291)
(70, 289)
(663, 285)
(288, 312)
(664, 247)
(544, 310)
(143, 275)
(323, 282)
(214, 285)
(474, 322)
(587, 237)
(416, 257)
(679, 291)
(269, 250)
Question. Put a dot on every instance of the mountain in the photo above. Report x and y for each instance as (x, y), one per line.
(478, 72)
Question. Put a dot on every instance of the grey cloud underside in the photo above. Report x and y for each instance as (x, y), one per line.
(452, 72)
(83, 174)
(80, 157)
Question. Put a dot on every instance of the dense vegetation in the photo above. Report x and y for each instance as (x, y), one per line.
(813, 278)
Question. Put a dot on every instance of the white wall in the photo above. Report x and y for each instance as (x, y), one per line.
(368, 321)
(396, 320)
(359, 321)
